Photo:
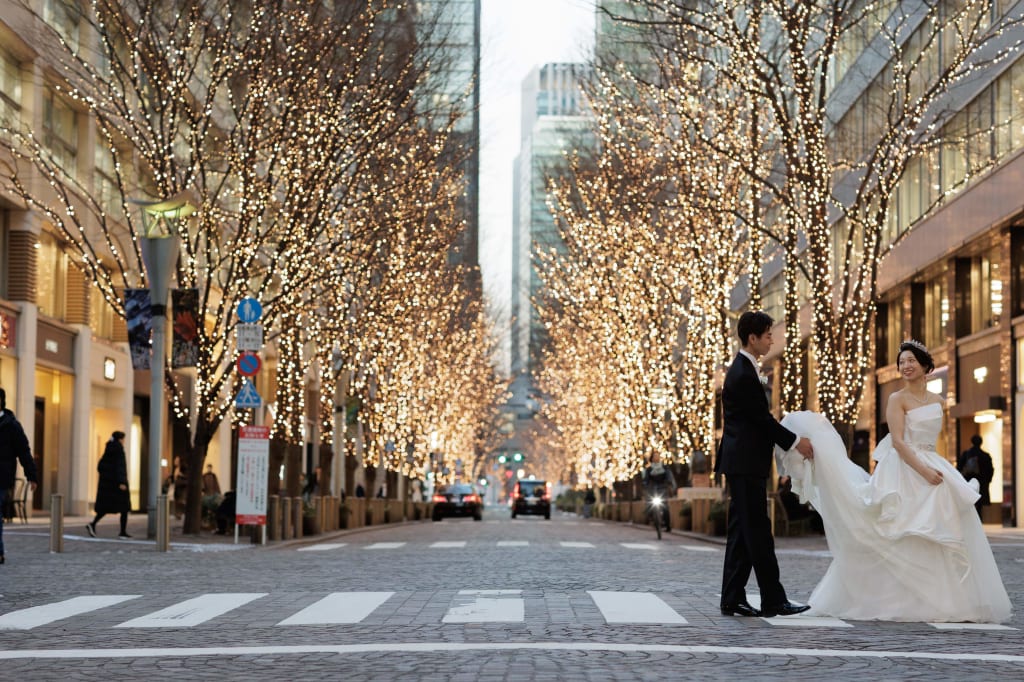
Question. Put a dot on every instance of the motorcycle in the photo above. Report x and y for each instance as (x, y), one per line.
(656, 512)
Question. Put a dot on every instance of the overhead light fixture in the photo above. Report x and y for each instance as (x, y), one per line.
(984, 417)
(980, 373)
(109, 369)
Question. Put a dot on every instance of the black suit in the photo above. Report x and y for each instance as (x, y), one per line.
(985, 472)
(749, 434)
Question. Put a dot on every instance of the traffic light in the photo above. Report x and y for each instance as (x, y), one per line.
(518, 457)
(502, 459)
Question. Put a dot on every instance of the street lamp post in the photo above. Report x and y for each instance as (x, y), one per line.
(159, 254)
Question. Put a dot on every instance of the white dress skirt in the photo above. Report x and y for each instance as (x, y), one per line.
(903, 549)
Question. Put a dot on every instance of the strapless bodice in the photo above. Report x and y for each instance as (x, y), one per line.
(923, 425)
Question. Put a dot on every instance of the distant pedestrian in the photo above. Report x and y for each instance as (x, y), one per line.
(14, 448)
(211, 486)
(976, 463)
(360, 490)
(112, 492)
(225, 514)
(180, 477)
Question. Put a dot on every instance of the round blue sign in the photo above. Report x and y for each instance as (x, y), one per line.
(249, 310)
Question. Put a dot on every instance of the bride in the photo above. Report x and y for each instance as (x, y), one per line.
(906, 542)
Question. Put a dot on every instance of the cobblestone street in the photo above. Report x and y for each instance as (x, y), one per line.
(566, 599)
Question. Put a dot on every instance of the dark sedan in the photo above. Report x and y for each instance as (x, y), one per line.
(460, 499)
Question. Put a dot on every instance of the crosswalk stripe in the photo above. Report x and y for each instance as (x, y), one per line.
(799, 620)
(638, 545)
(576, 544)
(700, 548)
(970, 626)
(486, 606)
(513, 543)
(385, 545)
(449, 543)
(635, 607)
(339, 608)
(193, 611)
(26, 619)
(322, 547)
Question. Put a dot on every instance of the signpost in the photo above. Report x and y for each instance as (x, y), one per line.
(251, 482)
(253, 441)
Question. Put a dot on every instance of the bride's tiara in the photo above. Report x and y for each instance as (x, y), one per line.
(916, 344)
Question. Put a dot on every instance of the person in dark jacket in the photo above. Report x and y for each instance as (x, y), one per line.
(112, 492)
(976, 463)
(14, 448)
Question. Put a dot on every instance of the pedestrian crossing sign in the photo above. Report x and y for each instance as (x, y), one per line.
(248, 397)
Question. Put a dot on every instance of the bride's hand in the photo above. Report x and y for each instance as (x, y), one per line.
(933, 476)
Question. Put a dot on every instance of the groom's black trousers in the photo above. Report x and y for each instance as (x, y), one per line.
(750, 544)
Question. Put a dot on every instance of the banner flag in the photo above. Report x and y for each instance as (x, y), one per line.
(138, 314)
(185, 343)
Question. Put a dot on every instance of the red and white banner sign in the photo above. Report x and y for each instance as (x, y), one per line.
(253, 466)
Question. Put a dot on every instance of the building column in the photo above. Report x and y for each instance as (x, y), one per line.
(21, 289)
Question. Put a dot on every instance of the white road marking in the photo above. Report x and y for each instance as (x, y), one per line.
(26, 619)
(385, 545)
(322, 547)
(192, 612)
(486, 606)
(635, 607)
(339, 607)
(513, 543)
(700, 548)
(637, 545)
(428, 648)
(798, 620)
(576, 544)
(970, 626)
(449, 543)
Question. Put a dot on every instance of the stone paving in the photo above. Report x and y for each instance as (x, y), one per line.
(562, 633)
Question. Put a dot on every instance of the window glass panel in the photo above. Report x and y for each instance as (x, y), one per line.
(52, 270)
(10, 88)
(60, 128)
(101, 315)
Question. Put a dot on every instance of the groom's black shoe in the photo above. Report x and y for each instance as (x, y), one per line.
(740, 609)
(784, 609)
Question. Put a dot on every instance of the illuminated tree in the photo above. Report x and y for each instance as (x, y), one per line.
(636, 302)
(851, 94)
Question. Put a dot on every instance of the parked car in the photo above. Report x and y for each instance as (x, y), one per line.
(460, 499)
(531, 497)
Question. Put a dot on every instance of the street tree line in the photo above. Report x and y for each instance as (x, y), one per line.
(325, 181)
(737, 140)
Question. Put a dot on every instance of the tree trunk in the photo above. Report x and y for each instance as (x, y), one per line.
(326, 469)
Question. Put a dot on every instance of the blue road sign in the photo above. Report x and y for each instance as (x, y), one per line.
(249, 310)
(248, 397)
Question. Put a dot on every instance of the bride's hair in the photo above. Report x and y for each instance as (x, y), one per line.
(924, 358)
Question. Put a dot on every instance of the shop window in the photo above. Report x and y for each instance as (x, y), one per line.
(979, 293)
(53, 268)
(108, 196)
(1017, 271)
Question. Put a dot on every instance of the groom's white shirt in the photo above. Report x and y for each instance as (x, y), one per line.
(753, 360)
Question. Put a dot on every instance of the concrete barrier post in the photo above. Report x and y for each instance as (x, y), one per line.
(56, 523)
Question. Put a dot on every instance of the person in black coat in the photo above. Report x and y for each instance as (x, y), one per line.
(14, 448)
(749, 435)
(976, 463)
(112, 492)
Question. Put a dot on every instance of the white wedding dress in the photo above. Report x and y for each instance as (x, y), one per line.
(903, 549)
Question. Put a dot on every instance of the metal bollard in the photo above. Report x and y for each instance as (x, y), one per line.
(163, 523)
(286, 518)
(274, 517)
(56, 523)
(297, 510)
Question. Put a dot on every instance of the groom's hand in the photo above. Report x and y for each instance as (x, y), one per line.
(803, 446)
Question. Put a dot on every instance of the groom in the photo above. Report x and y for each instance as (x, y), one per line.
(749, 434)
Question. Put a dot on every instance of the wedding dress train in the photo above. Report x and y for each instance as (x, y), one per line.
(903, 549)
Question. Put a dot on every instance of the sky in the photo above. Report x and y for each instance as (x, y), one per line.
(517, 35)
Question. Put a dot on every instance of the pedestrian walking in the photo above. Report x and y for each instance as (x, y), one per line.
(976, 463)
(14, 448)
(112, 491)
(211, 486)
